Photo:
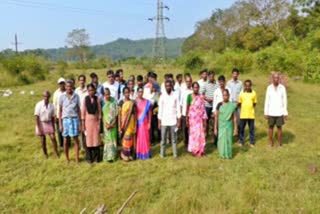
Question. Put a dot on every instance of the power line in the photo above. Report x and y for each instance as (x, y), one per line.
(159, 46)
(38, 5)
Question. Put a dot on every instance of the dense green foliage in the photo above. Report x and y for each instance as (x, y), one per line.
(24, 69)
(260, 36)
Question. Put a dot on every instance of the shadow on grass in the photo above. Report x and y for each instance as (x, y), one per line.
(287, 137)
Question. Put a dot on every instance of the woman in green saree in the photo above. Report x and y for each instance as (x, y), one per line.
(110, 115)
(225, 125)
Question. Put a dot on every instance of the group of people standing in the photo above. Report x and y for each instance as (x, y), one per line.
(134, 113)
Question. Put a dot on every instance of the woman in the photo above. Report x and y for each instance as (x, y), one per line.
(196, 121)
(226, 123)
(91, 117)
(110, 116)
(127, 125)
(143, 127)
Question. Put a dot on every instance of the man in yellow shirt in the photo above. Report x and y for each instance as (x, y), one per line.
(247, 102)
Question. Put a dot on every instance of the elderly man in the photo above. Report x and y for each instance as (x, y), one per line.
(275, 107)
(45, 116)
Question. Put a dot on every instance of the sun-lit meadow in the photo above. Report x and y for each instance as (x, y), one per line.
(256, 180)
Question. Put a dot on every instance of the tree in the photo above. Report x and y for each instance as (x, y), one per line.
(79, 41)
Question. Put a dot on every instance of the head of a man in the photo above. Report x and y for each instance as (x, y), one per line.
(248, 85)
(179, 78)
(119, 72)
(235, 74)
(110, 76)
(276, 78)
(211, 75)
(46, 97)
(94, 78)
(140, 81)
(82, 80)
(168, 86)
(188, 81)
(69, 87)
(204, 74)
(222, 81)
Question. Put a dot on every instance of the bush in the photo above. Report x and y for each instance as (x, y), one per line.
(287, 60)
(26, 69)
(225, 62)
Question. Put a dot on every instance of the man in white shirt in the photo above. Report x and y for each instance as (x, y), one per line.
(82, 93)
(44, 113)
(169, 118)
(56, 100)
(275, 107)
(203, 78)
(112, 85)
(178, 86)
(218, 98)
(183, 103)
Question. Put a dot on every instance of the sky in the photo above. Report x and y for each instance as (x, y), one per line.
(46, 23)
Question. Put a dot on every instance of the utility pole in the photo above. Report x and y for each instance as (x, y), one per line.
(159, 46)
(16, 43)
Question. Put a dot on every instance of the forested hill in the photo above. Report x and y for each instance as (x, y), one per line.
(119, 49)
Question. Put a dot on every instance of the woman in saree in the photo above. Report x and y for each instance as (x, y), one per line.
(127, 125)
(144, 113)
(110, 116)
(226, 123)
(196, 121)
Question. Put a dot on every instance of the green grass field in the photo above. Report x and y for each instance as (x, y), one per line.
(256, 180)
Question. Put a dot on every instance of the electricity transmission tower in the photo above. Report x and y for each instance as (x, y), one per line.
(159, 46)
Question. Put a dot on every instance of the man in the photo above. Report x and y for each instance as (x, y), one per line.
(45, 119)
(178, 86)
(207, 91)
(112, 85)
(82, 93)
(247, 103)
(95, 81)
(69, 119)
(183, 103)
(56, 97)
(120, 73)
(169, 118)
(275, 107)
(203, 78)
(121, 81)
(152, 83)
(218, 98)
(235, 86)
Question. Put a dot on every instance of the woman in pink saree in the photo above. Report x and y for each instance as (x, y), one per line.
(143, 126)
(197, 120)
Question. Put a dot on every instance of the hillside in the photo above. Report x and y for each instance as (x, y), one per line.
(119, 49)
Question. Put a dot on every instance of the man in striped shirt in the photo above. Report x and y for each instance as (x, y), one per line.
(207, 91)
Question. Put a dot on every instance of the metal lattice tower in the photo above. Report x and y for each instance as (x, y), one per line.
(159, 46)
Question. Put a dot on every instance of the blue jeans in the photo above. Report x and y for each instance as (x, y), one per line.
(243, 123)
